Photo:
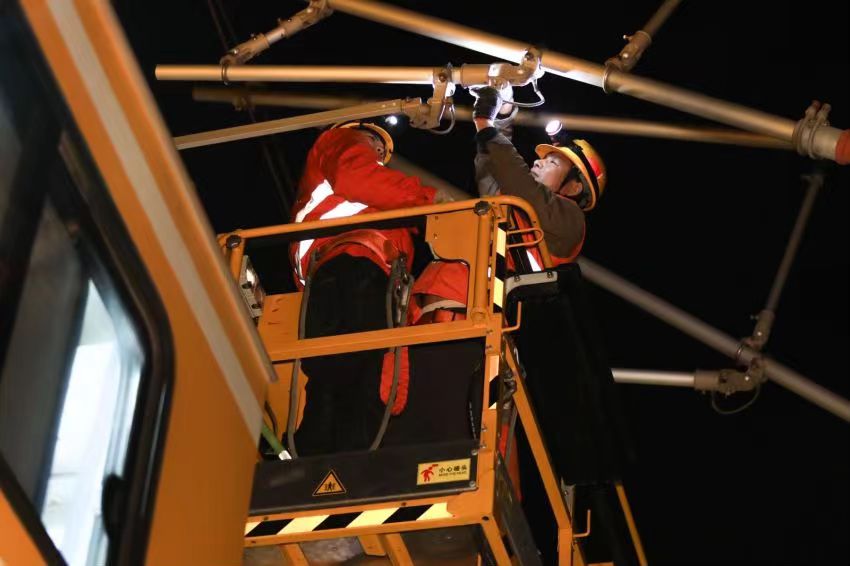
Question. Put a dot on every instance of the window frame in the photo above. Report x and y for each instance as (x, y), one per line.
(112, 261)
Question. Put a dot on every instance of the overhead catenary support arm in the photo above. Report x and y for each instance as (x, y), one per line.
(765, 319)
(716, 339)
(821, 141)
(398, 106)
(325, 74)
(649, 377)
(723, 381)
(244, 52)
(243, 98)
(465, 75)
(641, 39)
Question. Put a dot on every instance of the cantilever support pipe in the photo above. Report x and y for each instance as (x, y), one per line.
(247, 50)
(267, 73)
(641, 39)
(827, 142)
(465, 75)
(766, 318)
(241, 98)
(710, 336)
(651, 377)
(235, 133)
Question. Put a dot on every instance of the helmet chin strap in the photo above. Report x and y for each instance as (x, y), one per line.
(582, 198)
(573, 175)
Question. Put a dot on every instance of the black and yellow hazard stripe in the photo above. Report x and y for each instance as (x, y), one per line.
(501, 268)
(326, 522)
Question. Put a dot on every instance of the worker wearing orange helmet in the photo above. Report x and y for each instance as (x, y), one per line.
(564, 183)
(346, 279)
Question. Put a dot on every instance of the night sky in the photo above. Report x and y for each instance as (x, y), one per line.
(703, 226)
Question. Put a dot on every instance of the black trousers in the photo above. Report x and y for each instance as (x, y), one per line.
(343, 411)
(444, 396)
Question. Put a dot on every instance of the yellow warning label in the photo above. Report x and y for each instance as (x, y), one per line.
(442, 472)
(329, 486)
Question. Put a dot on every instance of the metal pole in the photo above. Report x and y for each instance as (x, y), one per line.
(695, 103)
(647, 377)
(825, 141)
(245, 51)
(658, 19)
(815, 182)
(766, 318)
(257, 73)
(296, 123)
(572, 122)
(641, 39)
(710, 336)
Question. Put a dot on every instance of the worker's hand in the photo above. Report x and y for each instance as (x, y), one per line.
(487, 103)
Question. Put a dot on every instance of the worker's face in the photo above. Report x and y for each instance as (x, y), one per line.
(375, 143)
(551, 171)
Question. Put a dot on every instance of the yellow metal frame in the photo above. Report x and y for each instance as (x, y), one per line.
(220, 370)
(449, 228)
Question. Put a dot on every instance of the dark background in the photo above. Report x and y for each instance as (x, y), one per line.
(703, 226)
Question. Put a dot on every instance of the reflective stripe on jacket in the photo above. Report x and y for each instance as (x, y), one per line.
(342, 178)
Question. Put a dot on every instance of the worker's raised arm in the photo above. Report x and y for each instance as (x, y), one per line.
(499, 167)
(354, 173)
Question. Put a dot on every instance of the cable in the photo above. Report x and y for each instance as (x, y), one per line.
(217, 22)
(292, 419)
(271, 438)
(221, 21)
(736, 410)
(398, 264)
(271, 415)
(232, 32)
(510, 442)
(451, 125)
(539, 102)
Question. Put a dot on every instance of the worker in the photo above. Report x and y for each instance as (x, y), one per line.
(562, 185)
(348, 277)
(566, 181)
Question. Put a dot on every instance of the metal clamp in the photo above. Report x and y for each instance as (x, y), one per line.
(606, 75)
(502, 75)
(428, 115)
(816, 116)
(532, 64)
(632, 52)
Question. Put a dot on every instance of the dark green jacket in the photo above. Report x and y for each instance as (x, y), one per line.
(499, 168)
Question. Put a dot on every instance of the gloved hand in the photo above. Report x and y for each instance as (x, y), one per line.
(487, 103)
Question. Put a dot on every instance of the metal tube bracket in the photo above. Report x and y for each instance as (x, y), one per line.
(632, 52)
(245, 51)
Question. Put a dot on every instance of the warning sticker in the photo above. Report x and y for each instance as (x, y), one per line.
(329, 486)
(442, 472)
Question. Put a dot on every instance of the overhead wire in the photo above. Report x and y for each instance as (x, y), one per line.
(222, 21)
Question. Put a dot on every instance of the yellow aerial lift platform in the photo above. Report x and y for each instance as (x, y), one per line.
(378, 495)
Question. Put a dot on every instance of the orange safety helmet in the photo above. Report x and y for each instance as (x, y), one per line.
(590, 165)
(382, 133)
